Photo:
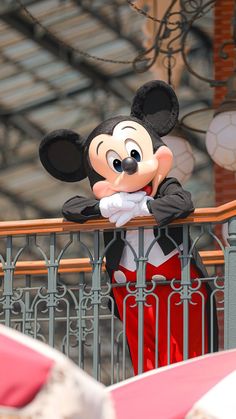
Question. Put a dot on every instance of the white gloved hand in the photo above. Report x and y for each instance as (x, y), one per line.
(140, 209)
(119, 201)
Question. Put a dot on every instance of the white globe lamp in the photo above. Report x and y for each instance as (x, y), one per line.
(221, 133)
(183, 163)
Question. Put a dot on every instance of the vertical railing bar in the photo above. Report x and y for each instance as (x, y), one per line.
(35, 322)
(185, 282)
(156, 332)
(99, 359)
(140, 297)
(117, 367)
(112, 342)
(168, 327)
(80, 321)
(52, 288)
(230, 288)
(8, 285)
(26, 325)
(118, 358)
(211, 321)
(96, 288)
(67, 329)
(203, 325)
(124, 339)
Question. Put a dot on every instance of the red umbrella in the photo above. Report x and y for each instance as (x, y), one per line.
(38, 381)
(202, 388)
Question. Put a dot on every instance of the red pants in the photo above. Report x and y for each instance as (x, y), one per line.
(159, 306)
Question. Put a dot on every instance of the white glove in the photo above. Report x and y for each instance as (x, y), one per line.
(140, 209)
(119, 201)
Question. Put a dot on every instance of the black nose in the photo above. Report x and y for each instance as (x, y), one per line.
(129, 165)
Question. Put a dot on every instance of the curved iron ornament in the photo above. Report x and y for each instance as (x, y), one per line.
(200, 12)
(177, 26)
(174, 25)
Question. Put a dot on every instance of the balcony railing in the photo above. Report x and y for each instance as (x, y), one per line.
(54, 286)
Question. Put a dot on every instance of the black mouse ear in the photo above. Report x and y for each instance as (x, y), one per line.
(62, 154)
(156, 103)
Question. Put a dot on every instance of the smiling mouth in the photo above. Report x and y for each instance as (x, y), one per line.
(147, 189)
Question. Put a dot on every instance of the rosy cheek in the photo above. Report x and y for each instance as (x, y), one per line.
(163, 153)
(102, 189)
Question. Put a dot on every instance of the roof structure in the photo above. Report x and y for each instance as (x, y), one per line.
(63, 64)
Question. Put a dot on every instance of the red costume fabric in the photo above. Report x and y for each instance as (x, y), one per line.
(197, 310)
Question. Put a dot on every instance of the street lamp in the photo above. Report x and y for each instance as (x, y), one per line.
(221, 133)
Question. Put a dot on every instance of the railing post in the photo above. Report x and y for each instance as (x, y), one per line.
(140, 297)
(8, 282)
(52, 290)
(96, 289)
(230, 288)
(26, 326)
(185, 283)
(81, 321)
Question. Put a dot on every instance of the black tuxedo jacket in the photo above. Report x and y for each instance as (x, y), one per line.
(171, 202)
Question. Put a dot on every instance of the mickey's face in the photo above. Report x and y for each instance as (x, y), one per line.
(126, 159)
(122, 154)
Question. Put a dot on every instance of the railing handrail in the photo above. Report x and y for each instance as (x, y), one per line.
(59, 225)
(73, 265)
(39, 267)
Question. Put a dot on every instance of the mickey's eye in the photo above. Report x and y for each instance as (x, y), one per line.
(114, 161)
(133, 150)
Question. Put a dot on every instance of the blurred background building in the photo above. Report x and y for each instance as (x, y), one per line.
(73, 63)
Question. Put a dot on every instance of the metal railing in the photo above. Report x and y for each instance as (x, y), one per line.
(55, 287)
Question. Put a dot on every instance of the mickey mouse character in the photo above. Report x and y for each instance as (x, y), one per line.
(127, 163)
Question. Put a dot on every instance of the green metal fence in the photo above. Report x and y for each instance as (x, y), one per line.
(72, 308)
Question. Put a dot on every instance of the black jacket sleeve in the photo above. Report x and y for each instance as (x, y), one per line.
(171, 202)
(80, 209)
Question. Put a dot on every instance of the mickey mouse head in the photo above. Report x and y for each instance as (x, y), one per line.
(123, 153)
